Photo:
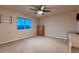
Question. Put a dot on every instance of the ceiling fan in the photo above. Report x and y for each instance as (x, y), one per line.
(40, 9)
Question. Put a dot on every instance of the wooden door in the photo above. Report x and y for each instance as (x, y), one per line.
(40, 30)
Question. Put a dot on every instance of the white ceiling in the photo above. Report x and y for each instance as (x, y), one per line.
(56, 9)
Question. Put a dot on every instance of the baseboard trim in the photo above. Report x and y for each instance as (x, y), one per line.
(14, 40)
(55, 37)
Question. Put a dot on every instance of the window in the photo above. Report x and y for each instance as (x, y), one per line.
(27, 24)
(23, 23)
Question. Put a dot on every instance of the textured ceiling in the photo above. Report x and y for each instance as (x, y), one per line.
(56, 9)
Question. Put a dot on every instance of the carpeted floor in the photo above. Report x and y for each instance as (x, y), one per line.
(36, 44)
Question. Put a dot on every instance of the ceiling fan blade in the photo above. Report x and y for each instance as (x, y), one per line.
(42, 7)
(37, 6)
(35, 12)
(46, 11)
(34, 9)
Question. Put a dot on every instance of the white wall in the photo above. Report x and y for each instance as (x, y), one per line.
(58, 25)
(9, 32)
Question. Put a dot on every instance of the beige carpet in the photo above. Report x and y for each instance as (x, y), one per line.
(36, 44)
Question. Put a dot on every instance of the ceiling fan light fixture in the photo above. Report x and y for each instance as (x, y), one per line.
(39, 12)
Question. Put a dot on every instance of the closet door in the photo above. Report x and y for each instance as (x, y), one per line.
(40, 30)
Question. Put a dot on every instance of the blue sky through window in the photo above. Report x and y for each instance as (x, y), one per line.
(23, 23)
(27, 24)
